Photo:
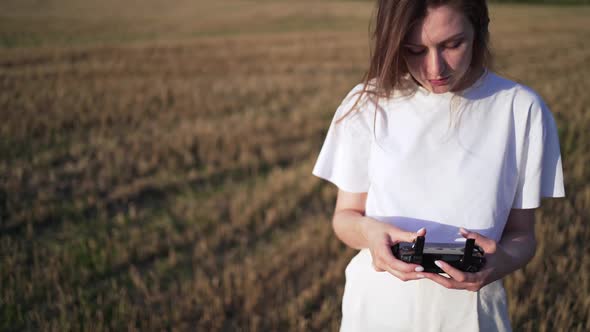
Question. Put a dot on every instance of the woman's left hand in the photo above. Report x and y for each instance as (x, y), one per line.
(468, 280)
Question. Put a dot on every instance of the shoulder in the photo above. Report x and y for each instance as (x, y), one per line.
(517, 94)
(528, 108)
(359, 96)
(357, 110)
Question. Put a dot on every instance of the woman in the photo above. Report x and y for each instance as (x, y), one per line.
(433, 141)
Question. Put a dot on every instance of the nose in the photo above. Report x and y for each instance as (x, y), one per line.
(436, 64)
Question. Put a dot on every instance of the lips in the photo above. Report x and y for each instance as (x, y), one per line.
(440, 81)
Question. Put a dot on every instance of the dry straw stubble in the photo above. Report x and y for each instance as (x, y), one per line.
(166, 184)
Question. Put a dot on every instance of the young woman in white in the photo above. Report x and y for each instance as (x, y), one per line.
(434, 143)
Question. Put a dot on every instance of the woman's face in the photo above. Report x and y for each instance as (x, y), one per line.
(438, 49)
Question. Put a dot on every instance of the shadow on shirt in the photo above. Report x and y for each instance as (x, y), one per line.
(435, 231)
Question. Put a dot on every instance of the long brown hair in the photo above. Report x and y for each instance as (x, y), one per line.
(393, 20)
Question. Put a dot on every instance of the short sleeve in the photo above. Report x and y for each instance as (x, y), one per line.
(540, 170)
(344, 157)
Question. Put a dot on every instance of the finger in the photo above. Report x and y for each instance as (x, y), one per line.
(377, 268)
(384, 259)
(375, 262)
(421, 232)
(404, 267)
(387, 258)
(397, 235)
(387, 261)
(455, 273)
(451, 283)
(488, 245)
(443, 281)
(406, 276)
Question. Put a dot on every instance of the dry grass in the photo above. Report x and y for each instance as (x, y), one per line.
(165, 183)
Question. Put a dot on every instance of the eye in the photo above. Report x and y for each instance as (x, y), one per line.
(454, 44)
(415, 50)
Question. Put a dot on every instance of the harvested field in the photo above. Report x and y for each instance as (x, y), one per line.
(155, 163)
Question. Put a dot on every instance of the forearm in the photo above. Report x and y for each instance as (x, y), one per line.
(518, 248)
(350, 228)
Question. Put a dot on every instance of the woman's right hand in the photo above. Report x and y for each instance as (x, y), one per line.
(380, 238)
(358, 231)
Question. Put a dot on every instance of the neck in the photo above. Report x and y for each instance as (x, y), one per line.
(469, 79)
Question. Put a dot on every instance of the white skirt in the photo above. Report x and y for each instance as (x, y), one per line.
(378, 301)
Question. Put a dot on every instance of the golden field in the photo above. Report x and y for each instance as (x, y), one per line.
(155, 163)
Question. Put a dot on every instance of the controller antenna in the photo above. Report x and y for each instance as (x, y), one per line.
(418, 247)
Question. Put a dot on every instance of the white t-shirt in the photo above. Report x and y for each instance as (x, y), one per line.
(439, 161)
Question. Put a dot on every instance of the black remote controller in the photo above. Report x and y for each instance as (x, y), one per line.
(467, 258)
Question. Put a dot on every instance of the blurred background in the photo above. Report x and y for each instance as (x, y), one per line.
(155, 162)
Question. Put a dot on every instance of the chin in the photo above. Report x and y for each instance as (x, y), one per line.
(440, 89)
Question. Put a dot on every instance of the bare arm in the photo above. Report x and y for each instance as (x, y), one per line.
(349, 219)
(518, 242)
(359, 231)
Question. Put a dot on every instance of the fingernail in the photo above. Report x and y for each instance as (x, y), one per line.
(420, 230)
(419, 269)
(420, 276)
(438, 263)
(463, 231)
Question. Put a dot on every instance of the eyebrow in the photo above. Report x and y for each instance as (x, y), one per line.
(452, 38)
